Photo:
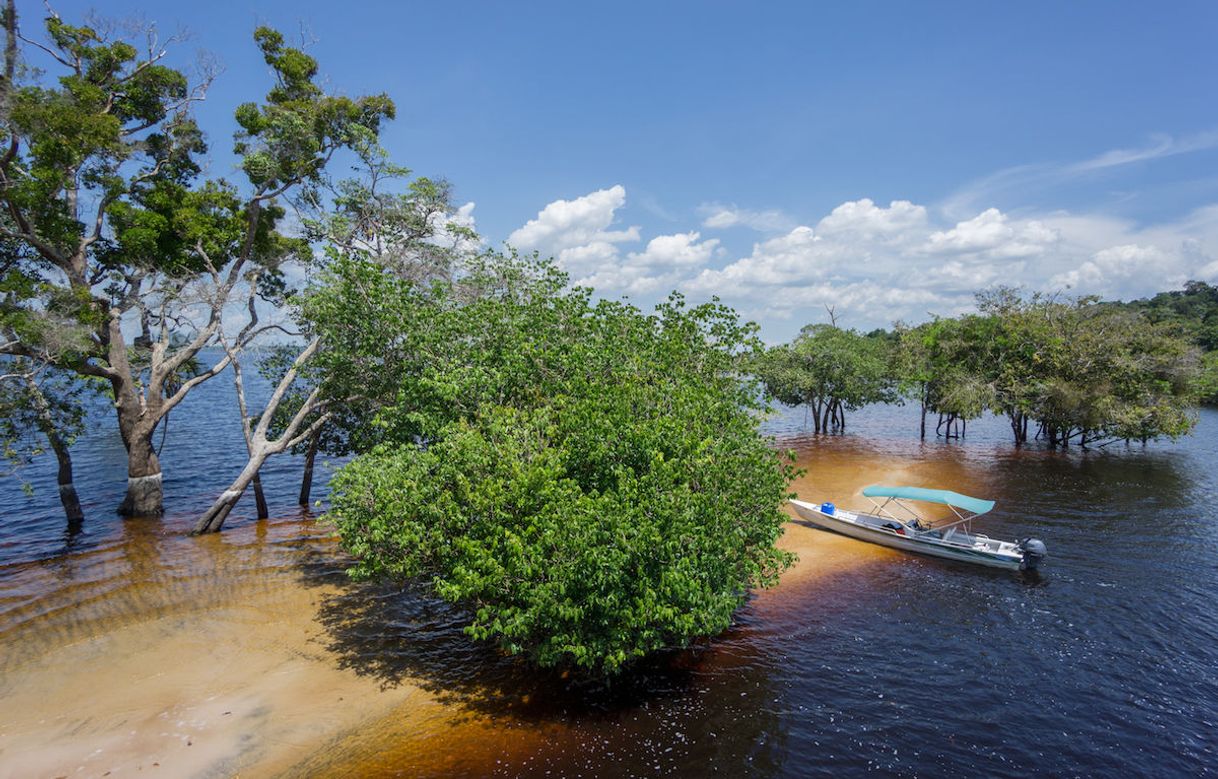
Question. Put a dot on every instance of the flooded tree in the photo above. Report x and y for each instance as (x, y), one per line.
(329, 391)
(103, 189)
(586, 478)
(1062, 371)
(40, 409)
(829, 370)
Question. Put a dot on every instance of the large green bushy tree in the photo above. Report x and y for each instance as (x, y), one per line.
(586, 478)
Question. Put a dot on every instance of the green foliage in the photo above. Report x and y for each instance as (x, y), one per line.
(829, 369)
(1080, 370)
(1207, 382)
(587, 479)
(47, 403)
(1193, 311)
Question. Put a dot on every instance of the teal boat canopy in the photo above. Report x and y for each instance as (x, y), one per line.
(946, 497)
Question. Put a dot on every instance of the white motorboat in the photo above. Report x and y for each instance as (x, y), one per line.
(897, 525)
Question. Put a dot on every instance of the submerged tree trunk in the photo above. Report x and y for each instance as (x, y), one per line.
(137, 421)
(306, 480)
(67, 490)
(924, 392)
(145, 496)
(260, 498)
(213, 519)
(257, 444)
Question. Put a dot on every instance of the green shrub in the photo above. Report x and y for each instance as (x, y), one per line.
(593, 486)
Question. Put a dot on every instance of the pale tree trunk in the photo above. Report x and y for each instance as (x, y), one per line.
(260, 448)
(239, 383)
(137, 426)
(306, 480)
(213, 519)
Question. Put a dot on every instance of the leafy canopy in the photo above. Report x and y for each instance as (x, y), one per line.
(586, 478)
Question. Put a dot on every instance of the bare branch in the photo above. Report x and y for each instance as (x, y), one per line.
(284, 383)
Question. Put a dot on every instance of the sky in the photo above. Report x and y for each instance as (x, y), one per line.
(887, 160)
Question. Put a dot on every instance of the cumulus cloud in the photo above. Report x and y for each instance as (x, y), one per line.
(462, 218)
(663, 263)
(873, 263)
(577, 231)
(863, 218)
(1111, 265)
(993, 235)
(682, 250)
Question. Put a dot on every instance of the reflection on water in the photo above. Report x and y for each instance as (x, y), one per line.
(863, 660)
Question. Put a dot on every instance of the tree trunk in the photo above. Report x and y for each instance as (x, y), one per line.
(260, 498)
(213, 519)
(306, 481)
(259, 447)
(144, 494)
(144, 490)
(67, 490)
(923, 437)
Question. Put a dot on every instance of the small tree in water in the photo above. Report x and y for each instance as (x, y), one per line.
(829, 370)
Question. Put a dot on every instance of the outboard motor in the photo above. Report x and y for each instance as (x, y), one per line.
(1033, 553)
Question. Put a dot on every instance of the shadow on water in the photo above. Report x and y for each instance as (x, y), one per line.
(401, 634)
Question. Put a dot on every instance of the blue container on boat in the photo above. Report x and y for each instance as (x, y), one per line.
(826, 508)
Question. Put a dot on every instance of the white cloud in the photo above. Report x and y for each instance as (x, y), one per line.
(874, 264)
(788, 259)
(463, 217)
(717, 216)
(991, 234)
(663, 263)
(681, 250)
(1161, 145)
(1026, 182)
(578, 224)
(1108, 266)
(865, 219)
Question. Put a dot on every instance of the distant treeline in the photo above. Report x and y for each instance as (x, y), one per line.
(1062, 371)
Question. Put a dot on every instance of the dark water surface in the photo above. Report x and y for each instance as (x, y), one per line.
(863, 661)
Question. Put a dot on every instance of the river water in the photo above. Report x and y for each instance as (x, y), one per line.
(125, 646)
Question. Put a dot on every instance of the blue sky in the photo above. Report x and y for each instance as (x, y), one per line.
(885, 158)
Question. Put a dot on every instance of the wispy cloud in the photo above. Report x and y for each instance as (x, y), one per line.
(985, 192)
(717, 216)
(1161, 146)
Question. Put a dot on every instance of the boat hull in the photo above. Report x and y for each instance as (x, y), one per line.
(845, 526)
